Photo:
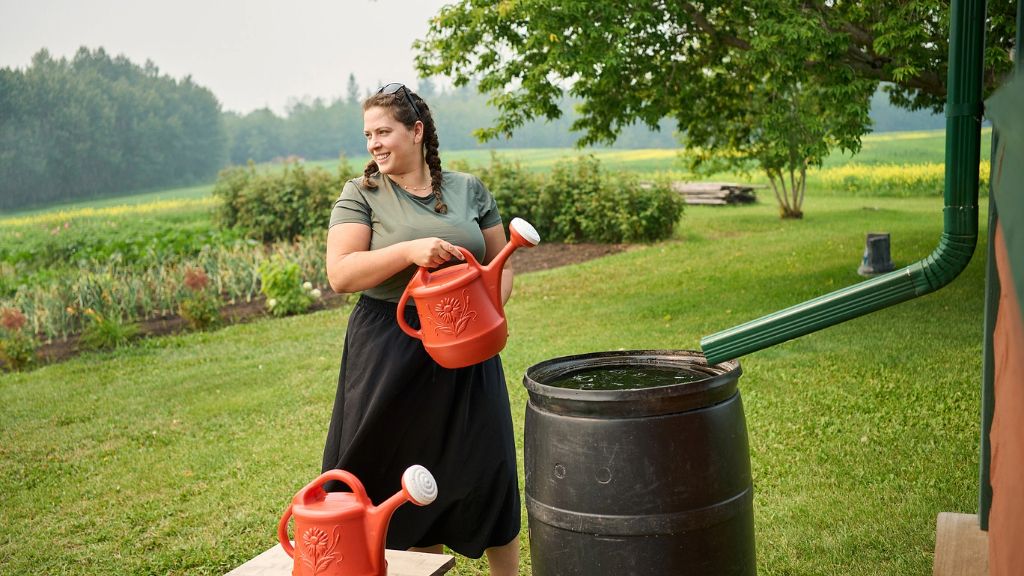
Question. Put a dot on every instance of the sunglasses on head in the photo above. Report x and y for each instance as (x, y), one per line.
(395, 87)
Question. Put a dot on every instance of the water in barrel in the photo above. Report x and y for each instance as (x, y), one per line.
(625, 378)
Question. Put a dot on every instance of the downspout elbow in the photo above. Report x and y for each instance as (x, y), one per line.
(944, 264)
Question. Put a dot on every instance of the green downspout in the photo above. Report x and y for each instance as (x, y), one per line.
(960, 215)
(988, 359)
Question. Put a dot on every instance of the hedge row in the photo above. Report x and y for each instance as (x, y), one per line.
(579, 202)
(576, 202)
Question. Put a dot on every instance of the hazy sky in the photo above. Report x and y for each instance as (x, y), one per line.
(251, 53)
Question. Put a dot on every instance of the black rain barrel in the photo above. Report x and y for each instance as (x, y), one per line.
(654, 479)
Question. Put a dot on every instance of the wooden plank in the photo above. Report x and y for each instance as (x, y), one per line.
(418, 563)
(961, 547)
(275, 562)
(706, 201)
(712, 193)
(694, 187)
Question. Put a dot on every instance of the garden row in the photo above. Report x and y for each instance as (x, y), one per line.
(263, 233)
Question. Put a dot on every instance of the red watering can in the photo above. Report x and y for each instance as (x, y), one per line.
(461, 316)
(342, 533)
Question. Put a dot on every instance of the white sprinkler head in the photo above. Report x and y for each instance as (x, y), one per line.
(526, 230)
(419, 484)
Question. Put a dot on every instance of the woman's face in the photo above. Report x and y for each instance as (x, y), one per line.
(395, 148)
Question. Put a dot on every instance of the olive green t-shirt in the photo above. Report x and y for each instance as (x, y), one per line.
(394, 215)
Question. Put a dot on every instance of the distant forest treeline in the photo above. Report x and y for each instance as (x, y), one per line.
(318, 129)
(97, 125)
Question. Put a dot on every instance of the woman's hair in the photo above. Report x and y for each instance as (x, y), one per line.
(399, 106)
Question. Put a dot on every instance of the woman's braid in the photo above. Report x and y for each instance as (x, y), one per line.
(371, 169)
(432, 155)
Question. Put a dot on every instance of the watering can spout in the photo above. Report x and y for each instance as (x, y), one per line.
(521, 235)
(418, 487)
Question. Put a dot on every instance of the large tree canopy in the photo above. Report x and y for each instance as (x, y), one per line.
(780, 83)
(644, 61)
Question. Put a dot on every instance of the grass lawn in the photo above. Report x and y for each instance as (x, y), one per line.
(178, 456)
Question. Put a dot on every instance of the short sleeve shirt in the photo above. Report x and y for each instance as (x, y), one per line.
(394, 215)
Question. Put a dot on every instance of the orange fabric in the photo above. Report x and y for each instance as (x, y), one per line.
(1006, 518)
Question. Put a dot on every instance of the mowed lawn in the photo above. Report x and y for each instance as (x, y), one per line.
(178, 456)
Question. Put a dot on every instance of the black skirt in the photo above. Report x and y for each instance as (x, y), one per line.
(396, 407)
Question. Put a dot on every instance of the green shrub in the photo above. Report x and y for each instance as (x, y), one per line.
(17, 350)
(516, 190)
(648, 213)
(579, 202)
(200, 307)
(201, 310)
(278, 205)
(283, 287)
(106, 332)
(17, 345)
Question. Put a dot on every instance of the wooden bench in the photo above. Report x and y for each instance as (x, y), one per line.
(275, 562)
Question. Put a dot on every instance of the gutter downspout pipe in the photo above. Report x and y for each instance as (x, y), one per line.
(960, 215)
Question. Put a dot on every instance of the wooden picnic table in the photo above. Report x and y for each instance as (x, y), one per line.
(275, 562)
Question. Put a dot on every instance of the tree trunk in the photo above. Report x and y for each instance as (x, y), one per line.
(796, 186)
(787, 209)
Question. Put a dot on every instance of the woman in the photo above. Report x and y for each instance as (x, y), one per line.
(395, 406)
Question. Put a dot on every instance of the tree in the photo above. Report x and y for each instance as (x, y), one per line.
(427, 88)
(352, 90)
(779, 113)
(257, 136)
(752, 80)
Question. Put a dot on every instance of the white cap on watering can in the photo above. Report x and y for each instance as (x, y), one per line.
(526, 230)
(419, 484)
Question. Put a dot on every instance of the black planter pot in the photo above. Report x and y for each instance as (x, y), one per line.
(643, 481)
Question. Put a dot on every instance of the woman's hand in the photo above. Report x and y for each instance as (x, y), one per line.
(432, 252)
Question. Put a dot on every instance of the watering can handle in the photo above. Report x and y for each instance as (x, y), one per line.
(303, 496)
(282, 532)
(422, 274)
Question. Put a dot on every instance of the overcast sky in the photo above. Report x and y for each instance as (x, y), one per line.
(250, 53)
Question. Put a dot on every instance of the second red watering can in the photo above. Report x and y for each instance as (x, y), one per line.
(462, 320)
(343, 533)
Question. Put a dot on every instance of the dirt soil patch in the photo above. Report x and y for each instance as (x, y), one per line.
(544, 256)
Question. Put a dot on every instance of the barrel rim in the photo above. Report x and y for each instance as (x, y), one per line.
(719, 385)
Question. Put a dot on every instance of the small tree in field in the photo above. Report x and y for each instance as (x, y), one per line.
(782, 119)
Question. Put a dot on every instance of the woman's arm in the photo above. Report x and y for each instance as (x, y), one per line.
(352, 266)
(494, 241)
